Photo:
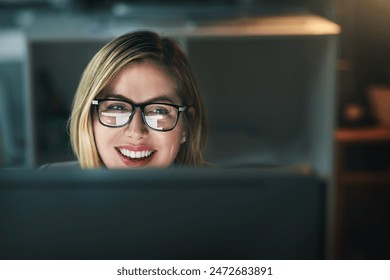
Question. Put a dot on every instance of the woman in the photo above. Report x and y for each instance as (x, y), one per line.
(138, 105)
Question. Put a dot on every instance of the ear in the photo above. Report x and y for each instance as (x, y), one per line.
(191, 111)
(183, 138)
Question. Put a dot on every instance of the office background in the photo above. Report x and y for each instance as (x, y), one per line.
(303, 92)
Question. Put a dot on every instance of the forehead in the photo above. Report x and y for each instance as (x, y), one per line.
(141, 81)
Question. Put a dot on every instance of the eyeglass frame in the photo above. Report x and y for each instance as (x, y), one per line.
(141, 107)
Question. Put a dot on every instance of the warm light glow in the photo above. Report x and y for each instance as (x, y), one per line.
(270, 26)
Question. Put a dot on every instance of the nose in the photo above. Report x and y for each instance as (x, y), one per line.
(136, 129)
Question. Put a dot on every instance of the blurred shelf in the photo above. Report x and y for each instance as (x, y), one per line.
(356, 135)
(283, 25)
(87, 27)
(362, 186)
(368, 178)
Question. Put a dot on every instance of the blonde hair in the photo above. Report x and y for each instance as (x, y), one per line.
(131, 48)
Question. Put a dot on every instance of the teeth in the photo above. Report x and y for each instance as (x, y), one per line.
(135, 154)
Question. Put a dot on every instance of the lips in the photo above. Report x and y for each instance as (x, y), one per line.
(136, 156)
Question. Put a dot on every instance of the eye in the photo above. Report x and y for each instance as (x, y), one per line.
(157, 110)
(160, 111)
(116, 107)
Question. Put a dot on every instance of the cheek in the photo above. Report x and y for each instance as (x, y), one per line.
(171, 141)
(96, 129)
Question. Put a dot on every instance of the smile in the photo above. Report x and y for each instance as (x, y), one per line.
(135, 154)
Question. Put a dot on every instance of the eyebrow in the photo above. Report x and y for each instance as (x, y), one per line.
(161, 98)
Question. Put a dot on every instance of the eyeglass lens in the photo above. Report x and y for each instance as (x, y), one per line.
(157, 116)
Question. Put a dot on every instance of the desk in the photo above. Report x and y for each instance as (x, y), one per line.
(362, 226)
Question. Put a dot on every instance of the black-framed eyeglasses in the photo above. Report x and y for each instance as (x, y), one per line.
(157, 116)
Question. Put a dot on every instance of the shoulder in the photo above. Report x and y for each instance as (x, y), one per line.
(61, 165)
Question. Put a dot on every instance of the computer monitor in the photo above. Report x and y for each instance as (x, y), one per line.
(161, 214)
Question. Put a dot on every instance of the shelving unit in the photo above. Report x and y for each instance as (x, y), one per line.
(363, 191)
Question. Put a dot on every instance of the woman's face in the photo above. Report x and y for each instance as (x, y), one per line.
(135, 145)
